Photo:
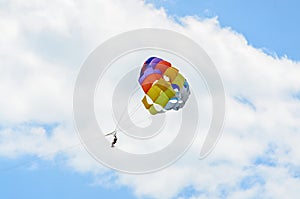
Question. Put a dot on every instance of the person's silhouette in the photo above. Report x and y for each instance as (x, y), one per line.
(114, 141)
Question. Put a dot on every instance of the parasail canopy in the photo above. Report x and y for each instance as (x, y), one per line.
(165, 88)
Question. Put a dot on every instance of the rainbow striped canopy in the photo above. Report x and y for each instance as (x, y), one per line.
(165, 88)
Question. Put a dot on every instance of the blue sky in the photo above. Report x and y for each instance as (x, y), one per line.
(270, 25)
(52, 181)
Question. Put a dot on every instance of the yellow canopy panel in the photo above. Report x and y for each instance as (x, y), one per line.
(179, 80)
(166, 87)
(162, 99)
(171, 73)
(163, 84)
(152, 110)
(145, 102)
(154, 92)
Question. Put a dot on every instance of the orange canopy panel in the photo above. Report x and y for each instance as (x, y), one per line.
(148, 81)
(163, 66)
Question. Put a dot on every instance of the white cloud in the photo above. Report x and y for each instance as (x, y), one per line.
(43, 44)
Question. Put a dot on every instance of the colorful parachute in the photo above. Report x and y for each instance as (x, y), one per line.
(164, 86)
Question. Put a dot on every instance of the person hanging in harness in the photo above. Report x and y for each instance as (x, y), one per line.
(115, 140)
(114, 133)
